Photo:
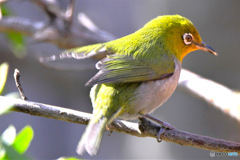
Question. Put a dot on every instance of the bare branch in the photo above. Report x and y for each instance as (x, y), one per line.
(21, 25)
(212, 92)
(41, 31)
(144, 129)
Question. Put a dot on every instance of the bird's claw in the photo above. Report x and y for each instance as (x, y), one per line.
(164, 125)
(161, 131)
(110, 133)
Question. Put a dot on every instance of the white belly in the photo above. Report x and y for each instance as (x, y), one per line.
(151, 95)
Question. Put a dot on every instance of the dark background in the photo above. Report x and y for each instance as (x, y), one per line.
(218, 22)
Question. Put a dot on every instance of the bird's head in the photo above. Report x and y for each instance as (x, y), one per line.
(180, 35)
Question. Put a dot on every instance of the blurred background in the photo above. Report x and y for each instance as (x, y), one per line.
(218, 22)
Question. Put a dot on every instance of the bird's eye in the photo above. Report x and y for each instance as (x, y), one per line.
(188, 38)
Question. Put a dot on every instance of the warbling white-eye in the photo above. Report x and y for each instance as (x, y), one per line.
(137, 73)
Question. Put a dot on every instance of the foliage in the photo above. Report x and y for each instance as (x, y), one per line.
(16, 40)
(12, 145)
(4, 107)
(3, 75)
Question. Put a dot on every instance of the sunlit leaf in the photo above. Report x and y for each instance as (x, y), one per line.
(23, 139)
(5, 106)
(2, 151)
(9, 135)
(3, 75)
(68, 158)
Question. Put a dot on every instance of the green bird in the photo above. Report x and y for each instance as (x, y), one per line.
(137, 73)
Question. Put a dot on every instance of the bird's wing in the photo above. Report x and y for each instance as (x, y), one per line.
(121, 68)
(96, 51)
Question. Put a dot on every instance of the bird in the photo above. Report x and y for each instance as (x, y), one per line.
(137, 73)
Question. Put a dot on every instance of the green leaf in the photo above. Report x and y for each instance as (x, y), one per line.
(23, 139)
(8, 140)
(5, 10)
(17, 44)
(16, 40)
(9, 135)
(3, 75)
(2, 151)
(11, 154)
(4, 107)
(68, 158)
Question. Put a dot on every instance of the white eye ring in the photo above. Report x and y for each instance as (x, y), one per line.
(188, 38)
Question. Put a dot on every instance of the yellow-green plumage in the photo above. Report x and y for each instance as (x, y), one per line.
(137, 73)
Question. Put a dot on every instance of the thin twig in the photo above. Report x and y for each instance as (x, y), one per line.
(16, 76)
(144, 129)
(51, 8)
(69, 14)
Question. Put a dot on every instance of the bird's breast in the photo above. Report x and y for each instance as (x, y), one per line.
(151, 95)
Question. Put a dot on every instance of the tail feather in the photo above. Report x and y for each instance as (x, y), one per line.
(92, 136)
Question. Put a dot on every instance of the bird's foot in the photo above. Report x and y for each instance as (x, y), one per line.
(161, 132)
(109, 131)
(164, 125)
(163, 129)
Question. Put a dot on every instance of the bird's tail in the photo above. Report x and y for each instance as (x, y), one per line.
(92, 136)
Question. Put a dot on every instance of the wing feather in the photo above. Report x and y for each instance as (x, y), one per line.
(119, 68)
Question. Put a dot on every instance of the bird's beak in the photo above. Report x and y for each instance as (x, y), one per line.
(205, 47)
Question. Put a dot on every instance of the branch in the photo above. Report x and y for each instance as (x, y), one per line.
(212, 92)
(21, 25)
(144, 129)
(41, 31)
